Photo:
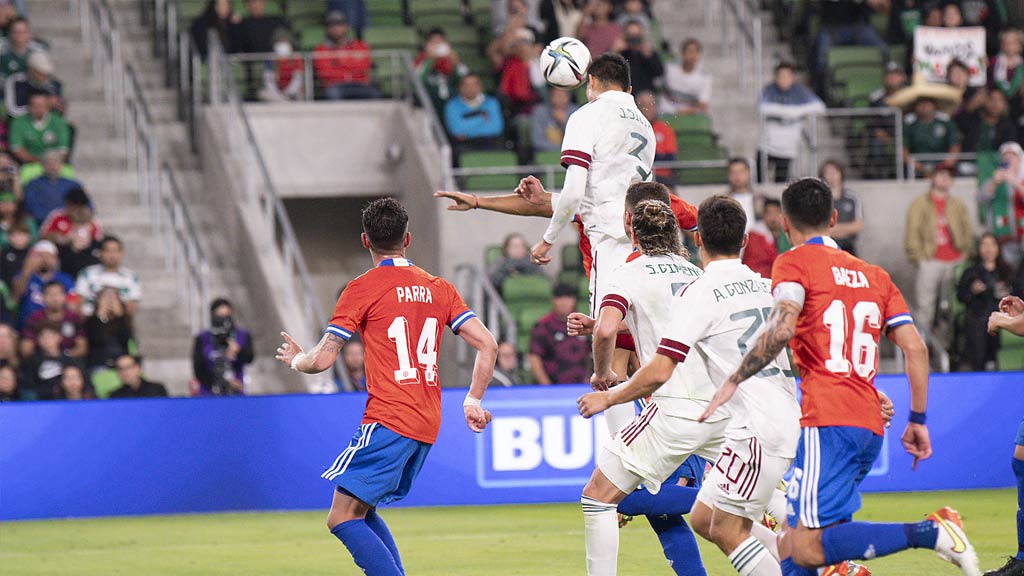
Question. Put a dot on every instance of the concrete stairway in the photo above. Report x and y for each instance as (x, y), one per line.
(99, 159)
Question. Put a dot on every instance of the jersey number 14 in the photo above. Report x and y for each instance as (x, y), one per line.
(862, 353)
(426, 351)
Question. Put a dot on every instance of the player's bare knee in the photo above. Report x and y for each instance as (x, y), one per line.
(700, 520)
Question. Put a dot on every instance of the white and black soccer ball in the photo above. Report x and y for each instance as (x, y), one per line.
(565, 62)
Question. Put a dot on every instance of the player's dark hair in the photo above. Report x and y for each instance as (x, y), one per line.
(656, 229)
(641, 191)
(722, 223)
(385, 222)
(611, 69)
(807, 203)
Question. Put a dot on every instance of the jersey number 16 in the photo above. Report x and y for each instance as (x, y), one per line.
(426, 351)
(863, 348)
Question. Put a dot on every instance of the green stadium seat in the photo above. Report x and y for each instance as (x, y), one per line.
(684, 123)
(703, 153)
(551, 158)
(701, 176)
(429, 20)
(33, 170)
(476, 62)
(298, 10)
(857, 81)
(569, 277)
(310, 35)
(105, 381)
(491, 254)
(526, 318)
(417, 7)
(572, 260)
(461, 35)
(524, 289)
(845, 55)
(394, 37)
(489, 159)
(583, 289)
(699, 139)
(1011, 352)
(898, 53)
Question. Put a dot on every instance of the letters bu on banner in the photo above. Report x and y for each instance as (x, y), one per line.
(935, 47)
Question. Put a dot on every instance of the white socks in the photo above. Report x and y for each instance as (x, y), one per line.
(769, 539)
(618, 416)
(601, 528)
(752, 559)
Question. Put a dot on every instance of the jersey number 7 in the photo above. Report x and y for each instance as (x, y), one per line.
(426, 351)
(635, 152)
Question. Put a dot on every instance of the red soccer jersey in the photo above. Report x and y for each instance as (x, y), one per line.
(848, 303)
(399, 311)
(686, 217)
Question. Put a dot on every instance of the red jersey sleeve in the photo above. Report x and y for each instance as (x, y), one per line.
(896, 312)
(349, 312)
(788, 268)
(686, 213)
(458, 312)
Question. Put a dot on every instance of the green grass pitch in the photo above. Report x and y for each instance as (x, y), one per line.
(535, 540)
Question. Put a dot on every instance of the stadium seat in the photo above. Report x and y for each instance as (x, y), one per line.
(684, 123)
(526, 318)
(583, 289)
(569, 277)
(572, 260)
(34, 170)
(856, 81)
(310, 35)
(489, 159)
(1011, 352)
(393, 37)
(104, 382)
(551, 158)
(700, 139)
(846, 55)
(463, 38)
(492, 254)
(526, 289)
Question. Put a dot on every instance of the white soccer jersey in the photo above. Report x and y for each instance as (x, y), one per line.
(612, 140)
(714, 320)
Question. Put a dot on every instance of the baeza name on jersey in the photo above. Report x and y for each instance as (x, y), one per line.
(744, 287)
(414, 294)
(849, 278)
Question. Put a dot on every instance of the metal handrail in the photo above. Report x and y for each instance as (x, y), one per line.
(746, 15)
(941, 157)
(482, 297)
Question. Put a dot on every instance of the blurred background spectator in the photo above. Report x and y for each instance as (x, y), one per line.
(41, 267)
(561, 18)
(687, 85)
(981, 286)
(665, 146)
(9, 346)
(548, 120)
(133, 385)
(108, 330)
(771, 216)
(740, 189)
(109, 273)
(9, 389)
(12, 257)
(220, 354)
(42, 370)
(1001, 201)
(506, 368)
(599, 32)
(55, 312)
(1006, 70)
(12, 215)
(32, 135)
(17, 47)
(221, 19)
(474, 119)
(645, 65)
(37, 79)
(989, 127)
(930, 131)
(74, 231)
(254, 33)
(516, 57)
(353, 357)
(784, 105)
(555, 357)
(72, 384)
(354, 11)
(342, 64)
(439, 67)
(283, 80)
(514, 261)
(850, 218)
(847, 23)
(46, 193)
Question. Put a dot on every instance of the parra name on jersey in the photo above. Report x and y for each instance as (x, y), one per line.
(414, 294)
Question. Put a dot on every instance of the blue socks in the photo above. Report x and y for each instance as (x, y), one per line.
(1018, 470)
(376, 523)
(671, 500)
(866, 540)
(789, 568)
(367, 549)
(679, 544)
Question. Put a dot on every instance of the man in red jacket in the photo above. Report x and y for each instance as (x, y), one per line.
(342, 65)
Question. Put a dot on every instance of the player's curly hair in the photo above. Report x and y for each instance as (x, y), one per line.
(656, 229)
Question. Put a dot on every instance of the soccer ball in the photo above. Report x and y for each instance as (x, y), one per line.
(565, 62)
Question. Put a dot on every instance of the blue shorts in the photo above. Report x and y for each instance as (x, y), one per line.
(1019, 441)
(692, 469)
(378, 466)
(830, 464)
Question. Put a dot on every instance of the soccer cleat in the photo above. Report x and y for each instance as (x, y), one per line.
(847, 568)
(1013, 567)
(623, 520)
(952, 544)
(770, 522)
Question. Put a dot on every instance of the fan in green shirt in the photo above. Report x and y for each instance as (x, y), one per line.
(38, 131)
(19, 45)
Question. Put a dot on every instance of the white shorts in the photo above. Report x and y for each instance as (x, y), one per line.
(608, 254)
(654, 445)
(744, 479)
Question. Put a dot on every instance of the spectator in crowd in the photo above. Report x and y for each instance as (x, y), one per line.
(772, 218)
(219, 18)
(988, 14)
(989, 128)
(981, 286)
(972, 97)
(439, 67)
(561, 18)
(283, 80)
(513, 14)
(75, 232)
(10, 177)
(8, 305)
(599, 32)
(19, 45)
(9, 10)
(1006, 69)
(951, 15)
(645, 65)
(688, 85)
(32, 135)
(12, 215)
(894, 78)
(847, 23)
(506, 368)
(740, 190)
(514, 261)
(850, 218)
(929, 131)
(1001, 201)
(38, 78)
(353, 356)
(41, 268)
(254, 34)
(555, 357)
(342, 64)
(882, 140)
(633, 11)
(938, 235)
(784, 105)
(42, 370)
(547, 121)
(9, 346)
(133, 385)
(665, 146)
(355, 12)
(516, 57)
(220, 354)
(55, 311)
(12, 256)
(474, 119)
(108, 330)
(73, 385)
(109, 273)
(759, 253)
(9, 390)
(46, 193)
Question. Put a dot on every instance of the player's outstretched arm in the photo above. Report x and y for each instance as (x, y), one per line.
(320, 358)
(644, 382)
(506, 204)
(915, 437)
(568, 205)
(474, 333)
(605, 333)
(779, 330)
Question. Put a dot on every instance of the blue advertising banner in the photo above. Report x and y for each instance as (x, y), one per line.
(160, 456)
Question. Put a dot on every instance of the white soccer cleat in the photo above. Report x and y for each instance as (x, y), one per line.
(952, 544)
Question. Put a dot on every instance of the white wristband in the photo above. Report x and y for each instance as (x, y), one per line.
(295, 360)
(470, 401)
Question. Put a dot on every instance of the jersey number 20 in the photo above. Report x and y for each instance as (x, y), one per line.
(863, 349)
(426, 351)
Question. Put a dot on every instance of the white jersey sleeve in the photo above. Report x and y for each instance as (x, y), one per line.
(691, 321)
(580, 140)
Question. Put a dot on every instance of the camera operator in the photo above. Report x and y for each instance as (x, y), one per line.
(220, 354)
